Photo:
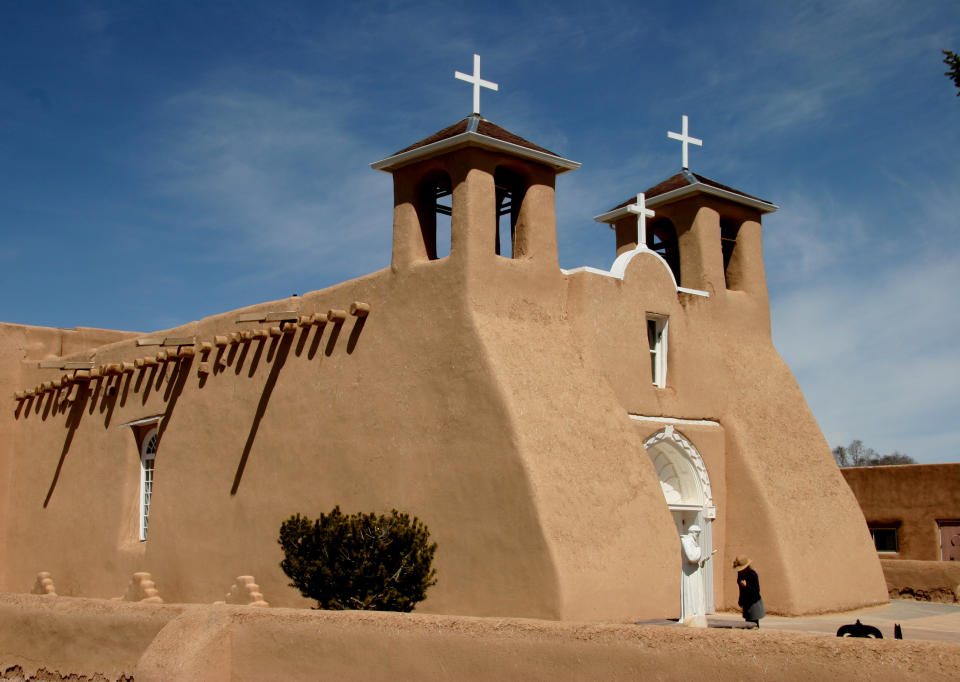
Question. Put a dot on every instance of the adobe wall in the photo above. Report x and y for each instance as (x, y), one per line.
(536, 513)
(922, 580)
(160, 642)
(599, 503)
(397, 411)
(912, 497)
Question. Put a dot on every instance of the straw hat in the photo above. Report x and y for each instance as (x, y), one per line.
(741, 562)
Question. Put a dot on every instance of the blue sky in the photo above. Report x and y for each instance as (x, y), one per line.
(165, 161)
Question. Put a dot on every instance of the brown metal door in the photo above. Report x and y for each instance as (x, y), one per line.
(949, 540)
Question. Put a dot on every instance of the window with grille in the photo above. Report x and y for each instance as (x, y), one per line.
(148, 455)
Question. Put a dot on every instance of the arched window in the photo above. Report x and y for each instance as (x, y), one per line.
(434, 212)
(662, 238)
(511, 188)
(148, 455)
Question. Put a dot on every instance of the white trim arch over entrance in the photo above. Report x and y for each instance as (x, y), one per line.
(686, 488)
(683, 475)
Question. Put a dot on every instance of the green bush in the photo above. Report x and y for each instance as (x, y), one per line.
(362, 561)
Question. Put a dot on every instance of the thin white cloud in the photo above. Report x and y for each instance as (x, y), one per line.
(804, 64)
(810, 235)
(877, 358)
(280, 174)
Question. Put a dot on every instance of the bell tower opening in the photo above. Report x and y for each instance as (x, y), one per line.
(510, 191)
(434, 209)
(662, 238)
(728, 244)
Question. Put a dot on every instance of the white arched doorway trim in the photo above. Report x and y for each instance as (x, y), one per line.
(683, 475)
(686, 488)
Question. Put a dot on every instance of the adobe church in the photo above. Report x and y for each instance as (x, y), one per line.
(559, 431)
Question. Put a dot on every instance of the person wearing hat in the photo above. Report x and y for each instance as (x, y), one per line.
(749, 584)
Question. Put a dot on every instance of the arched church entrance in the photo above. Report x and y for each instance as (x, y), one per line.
(686, 489)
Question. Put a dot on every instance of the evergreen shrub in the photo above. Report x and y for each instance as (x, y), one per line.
(362, 561)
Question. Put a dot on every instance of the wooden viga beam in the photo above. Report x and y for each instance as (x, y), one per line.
(179, 341)
(60, 364)
(167, 341)
(282, 316)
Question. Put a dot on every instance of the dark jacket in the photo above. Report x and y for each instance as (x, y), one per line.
(750, 600)
(749, 593)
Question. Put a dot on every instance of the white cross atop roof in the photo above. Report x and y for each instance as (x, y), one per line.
(477, 82)
(686, 140)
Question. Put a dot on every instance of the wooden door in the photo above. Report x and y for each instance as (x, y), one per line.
(949, 540)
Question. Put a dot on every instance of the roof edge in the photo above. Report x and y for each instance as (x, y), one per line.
(681, 192)
(558, 163)
(614, 215)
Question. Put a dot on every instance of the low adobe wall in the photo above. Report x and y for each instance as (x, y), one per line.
(83, 636)
(923, 580)
(166, 642)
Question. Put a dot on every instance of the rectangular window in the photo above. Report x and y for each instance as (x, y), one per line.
(657, 340)
(885, 540)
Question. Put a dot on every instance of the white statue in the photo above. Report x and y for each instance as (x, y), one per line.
(693, 603)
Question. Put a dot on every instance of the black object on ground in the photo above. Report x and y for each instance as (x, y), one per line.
(858, 629)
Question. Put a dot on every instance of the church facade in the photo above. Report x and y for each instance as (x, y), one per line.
(560, 432)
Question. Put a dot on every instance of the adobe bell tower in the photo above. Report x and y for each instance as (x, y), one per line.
(496, 188)
(708, 234)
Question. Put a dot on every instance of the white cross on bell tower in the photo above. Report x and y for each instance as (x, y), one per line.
(640, 208)
(686, 140)
(477, 82)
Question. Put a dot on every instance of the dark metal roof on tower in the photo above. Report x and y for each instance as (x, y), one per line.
(479, 132)
(683, 184)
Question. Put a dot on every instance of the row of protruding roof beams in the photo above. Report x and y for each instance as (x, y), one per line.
(187, 346)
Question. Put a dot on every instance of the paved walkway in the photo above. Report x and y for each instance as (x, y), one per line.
(918, 620)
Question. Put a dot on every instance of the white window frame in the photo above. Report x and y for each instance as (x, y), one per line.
(148, 456)
(658, 349)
